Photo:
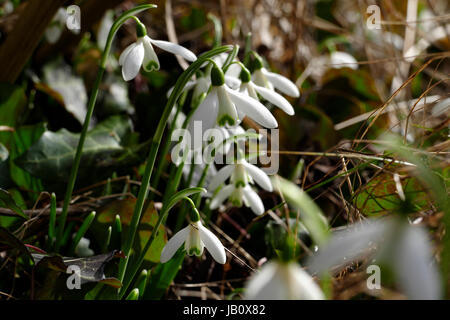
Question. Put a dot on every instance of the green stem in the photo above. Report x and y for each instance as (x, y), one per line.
(76, 163)
(156, 141)
(52, 222)
(165, 150)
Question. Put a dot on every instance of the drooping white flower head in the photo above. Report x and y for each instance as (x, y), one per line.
(270, 80)
(223, 105)
(252, 89)
(195, 238)
(340, 59)
(82, 249)
(282, 281)
(141, 53)
(240, 192)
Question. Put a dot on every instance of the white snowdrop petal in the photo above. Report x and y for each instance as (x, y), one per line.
(206, 113)
(133, 62)
(151, 61)
(276, 99)
(252, 198)
(125, 53)
(263, 285)
(282, 83)
(234, 71)
(220, 197)
(213, 244)
(173, 244)
(341, 59)
(412, 261)
(253, 108)
(227, 109)
(259, 176)
(303, 284)
(232, 82)
(53, 33)
(221, 176)
(175, 49)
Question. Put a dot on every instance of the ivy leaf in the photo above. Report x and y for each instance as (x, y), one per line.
(51, 157)
(7, 200)
(91, 268)
(12, 242)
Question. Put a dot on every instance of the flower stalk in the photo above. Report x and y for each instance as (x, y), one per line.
(156, 141)
(76, 163)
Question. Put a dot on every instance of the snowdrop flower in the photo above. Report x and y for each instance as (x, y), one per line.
(239, 191)
(250, 88)
(282, 281)
(405, 248)
(202, 84)
(141, 53)
(82, 249)
(223, 105)
(270, 80)
(340, 59)
(195, 238)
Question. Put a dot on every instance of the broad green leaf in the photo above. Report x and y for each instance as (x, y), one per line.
(310, 214)
(12, 106)
(7, 200)
(91, 268)
(22, 139)
(51, 157)
(106, 216)
(380, 196)
(12, 242)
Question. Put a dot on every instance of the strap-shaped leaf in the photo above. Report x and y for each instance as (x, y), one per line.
(310, 214)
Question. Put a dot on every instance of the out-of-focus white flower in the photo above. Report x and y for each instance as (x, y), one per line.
(195, 238)
(82, 249)
(141, 53)
(56, 27)
(239, 191)
(340, 59)
(223, 105)
(383, 38)
(442, 107)
(105, 26)
(270, 80)
(398, 244)
(317, 66)
(282, 281)
(432, 33)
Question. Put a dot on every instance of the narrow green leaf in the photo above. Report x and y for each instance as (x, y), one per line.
(310, 214)
(134, 294)
(82, 231)
(52, 221)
